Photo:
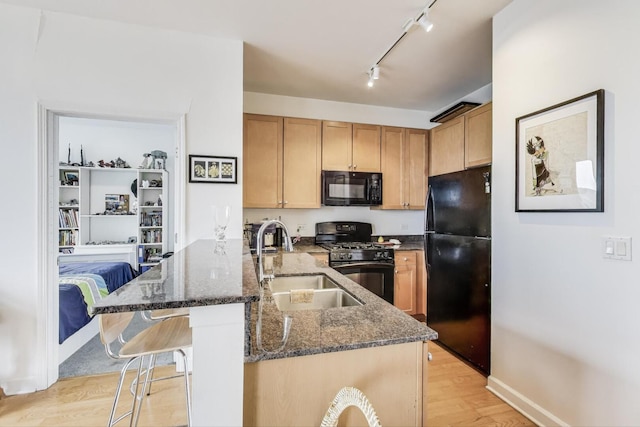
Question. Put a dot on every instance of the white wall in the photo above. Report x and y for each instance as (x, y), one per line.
(83, 65)
(384, 222)
(105, 139)
(564, 320)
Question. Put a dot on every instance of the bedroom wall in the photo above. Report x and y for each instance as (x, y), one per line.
(83, 65)
(565, 320)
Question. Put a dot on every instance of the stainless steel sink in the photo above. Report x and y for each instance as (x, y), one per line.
(322, 299)
(287, 283)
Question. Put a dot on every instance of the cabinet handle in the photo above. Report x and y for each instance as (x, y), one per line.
(285, 202)
(406, 259)
(354, 167)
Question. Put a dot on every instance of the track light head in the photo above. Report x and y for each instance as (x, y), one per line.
(375, 72)
(424, 22)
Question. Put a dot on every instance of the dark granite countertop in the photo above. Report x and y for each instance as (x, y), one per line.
(201, 275)
(375, 323)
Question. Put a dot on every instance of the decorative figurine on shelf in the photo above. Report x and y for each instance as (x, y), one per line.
(145, 161)
(159, 159)
(122, 164)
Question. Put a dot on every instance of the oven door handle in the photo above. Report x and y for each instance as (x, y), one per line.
(379, 265)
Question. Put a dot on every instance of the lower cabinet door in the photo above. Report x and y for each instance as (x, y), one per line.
(405, 282)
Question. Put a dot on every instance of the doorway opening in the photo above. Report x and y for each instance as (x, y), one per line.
(90, 160)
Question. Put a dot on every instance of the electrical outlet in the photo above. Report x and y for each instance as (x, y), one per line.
(301, 227)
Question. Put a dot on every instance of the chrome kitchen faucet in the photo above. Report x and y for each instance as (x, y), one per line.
(288, 246)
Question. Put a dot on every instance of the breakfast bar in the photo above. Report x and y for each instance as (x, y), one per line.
(241, 342)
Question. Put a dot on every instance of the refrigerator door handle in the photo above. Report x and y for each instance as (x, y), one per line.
(482, 237)
(426, 252)
(429, 217)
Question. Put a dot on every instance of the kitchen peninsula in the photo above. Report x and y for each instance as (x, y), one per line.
(238, 380)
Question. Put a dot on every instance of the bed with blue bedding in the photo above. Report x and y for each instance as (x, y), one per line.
(81, 284)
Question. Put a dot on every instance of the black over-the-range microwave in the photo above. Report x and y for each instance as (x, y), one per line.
(347, 188)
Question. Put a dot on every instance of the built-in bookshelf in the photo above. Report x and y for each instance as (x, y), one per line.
(113, 207)
(68, 206)
(152, 199)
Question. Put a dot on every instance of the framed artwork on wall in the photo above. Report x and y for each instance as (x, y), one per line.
(560, 157)
(213, 169)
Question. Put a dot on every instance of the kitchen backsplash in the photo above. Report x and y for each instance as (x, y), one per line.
(302, 222)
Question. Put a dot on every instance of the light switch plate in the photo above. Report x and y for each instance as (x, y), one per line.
(616, 248)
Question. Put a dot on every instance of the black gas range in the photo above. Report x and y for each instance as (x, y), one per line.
(348, 252)
(352, 253)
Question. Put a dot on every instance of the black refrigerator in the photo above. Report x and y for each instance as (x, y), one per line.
(457, 243)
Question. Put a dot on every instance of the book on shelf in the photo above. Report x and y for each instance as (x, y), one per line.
(151, 219)
(68, 218)
(67, 237)
(151, 236)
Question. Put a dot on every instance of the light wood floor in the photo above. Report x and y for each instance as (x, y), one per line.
(456, 394)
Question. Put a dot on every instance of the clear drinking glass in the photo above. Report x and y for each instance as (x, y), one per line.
(221, 216)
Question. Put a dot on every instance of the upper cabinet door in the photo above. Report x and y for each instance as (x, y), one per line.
(478, 136)
(393, 148)
(447, 147)
(415, 161)
(336, 146)
(262, 161)
(302, 163)
(404, 168)
(366, 148)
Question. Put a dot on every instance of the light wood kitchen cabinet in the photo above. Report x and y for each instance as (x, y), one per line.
(298, 390)
(282, 160)
(478, 136)
(447, 147)
(404, 168)
(405, 281)
(350, 147)
(262, 161)
(302, 163)
(461, 143)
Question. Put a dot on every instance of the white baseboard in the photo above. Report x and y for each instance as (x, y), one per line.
(522, 404)
(20, 386)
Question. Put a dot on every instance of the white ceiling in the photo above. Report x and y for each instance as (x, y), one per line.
(323, 49)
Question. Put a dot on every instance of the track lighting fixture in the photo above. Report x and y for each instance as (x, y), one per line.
(422, 20)
(370, 82)
(374, 74)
